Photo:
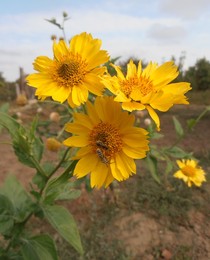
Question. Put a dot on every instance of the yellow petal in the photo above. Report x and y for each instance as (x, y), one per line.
(75, 128)
(98, 59)
(154, 116)
(135, 140)
(42, 63)
(115, 172)
(122, 166)
(83, 120)
(59, 49)
(85, 165)
(109, 179)
(135, 152)
(92, 113)
(94, 84)
(76, 141)
(83, 152)
(119, 72)
(129, 162)
(61, 94)
(139, 71)
(131, 70)
(99, 175)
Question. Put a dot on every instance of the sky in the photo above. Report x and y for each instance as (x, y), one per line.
(151, 30)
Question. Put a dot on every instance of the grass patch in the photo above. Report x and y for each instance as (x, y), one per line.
(172, 201)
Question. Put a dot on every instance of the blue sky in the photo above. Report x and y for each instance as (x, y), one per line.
(149, 30)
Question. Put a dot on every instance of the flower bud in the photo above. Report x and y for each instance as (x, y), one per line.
(21, 100)
(53, 37)
(39, 110)
(54, 117)
(65, 14)
(139, 114)
(52, 144)
(147, 121)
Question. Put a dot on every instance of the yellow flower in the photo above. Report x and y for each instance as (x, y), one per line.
(72, 73)
(148, 89)
(190, 172)
(108, 142)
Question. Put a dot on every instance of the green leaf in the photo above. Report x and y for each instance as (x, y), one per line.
(178, 128)
(157, 135)
(177, 152)
(152, 166)
(40, 247)
(37, 146)
(6, 214)
(9, 123)
(27, 146)
(4, 108)
(39, 180)
(191, 123)
(20, 199)
(169, 167)
(54, 187)
(64, 223)
(67, 193)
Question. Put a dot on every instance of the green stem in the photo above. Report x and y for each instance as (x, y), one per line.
(59, 164)
(201, 115)
(38, 167)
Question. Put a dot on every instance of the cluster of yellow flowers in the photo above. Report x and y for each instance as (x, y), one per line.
(108, 140)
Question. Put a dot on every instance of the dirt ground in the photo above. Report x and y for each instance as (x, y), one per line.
(144, 236)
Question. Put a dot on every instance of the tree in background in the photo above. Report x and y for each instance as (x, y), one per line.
(7, 89)
(199, 75)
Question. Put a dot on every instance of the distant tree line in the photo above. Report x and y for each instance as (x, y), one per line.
(198, 75)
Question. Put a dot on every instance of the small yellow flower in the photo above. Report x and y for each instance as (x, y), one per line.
(52, 144)
(72, 73)
(148, 89)
(108, 142)
(190, 172)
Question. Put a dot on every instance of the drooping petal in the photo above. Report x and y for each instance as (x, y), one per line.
(154, 116)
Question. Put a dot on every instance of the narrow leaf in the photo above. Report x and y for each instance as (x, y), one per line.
(177, 152)
(178, 128)
(152, 165)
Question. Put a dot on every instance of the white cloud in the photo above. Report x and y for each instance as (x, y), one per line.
(187, 9)
(167, 34)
